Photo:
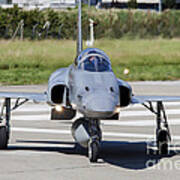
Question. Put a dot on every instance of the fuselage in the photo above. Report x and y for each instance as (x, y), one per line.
(89, 86)
(93, 88)
(95, 94)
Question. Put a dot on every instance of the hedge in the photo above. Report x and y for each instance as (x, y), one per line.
(108, 23)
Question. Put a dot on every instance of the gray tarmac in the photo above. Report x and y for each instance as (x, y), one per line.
(44, 149)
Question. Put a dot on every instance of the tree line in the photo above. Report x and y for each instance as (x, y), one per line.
(35, 24)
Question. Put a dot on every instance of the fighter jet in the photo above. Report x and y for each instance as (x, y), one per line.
(90, 88)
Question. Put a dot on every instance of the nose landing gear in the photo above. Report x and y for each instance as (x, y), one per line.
(95, 139)
(93, 151)
(87, 133)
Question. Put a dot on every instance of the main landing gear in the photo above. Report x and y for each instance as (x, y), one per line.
(94, 141)
(5, 120)
(163, 136)
(5, 126)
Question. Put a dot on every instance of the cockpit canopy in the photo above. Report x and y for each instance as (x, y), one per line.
(93, 60)
(94, 63)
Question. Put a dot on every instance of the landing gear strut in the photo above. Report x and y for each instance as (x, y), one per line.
(95, 139)
(5, 127)
(5, 120)
(162, 131)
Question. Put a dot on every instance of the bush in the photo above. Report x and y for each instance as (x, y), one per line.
(109, 23)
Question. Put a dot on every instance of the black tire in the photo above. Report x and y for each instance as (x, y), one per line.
(162, 142)
(163, 150)
(3, 137)
(93, 151)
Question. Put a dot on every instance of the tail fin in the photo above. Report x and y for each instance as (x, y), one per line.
(79, 36)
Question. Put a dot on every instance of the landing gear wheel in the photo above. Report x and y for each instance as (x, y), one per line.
(162, 142)
(93, 151)
(3, 137)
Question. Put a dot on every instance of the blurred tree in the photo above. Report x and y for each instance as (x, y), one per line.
(169, 4)
(132, 4)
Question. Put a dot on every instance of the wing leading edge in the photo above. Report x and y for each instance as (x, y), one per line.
(37, 97)
(143, 99)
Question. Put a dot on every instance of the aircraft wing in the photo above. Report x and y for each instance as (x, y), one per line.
(143, 99)
(37, 97)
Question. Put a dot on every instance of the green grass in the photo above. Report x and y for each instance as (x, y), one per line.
(31, 62)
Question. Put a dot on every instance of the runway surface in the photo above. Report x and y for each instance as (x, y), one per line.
(44, 149)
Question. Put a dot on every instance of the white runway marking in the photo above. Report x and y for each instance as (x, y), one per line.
(105, 122)
(106, 134)
(122, 114)
(146, 113)
(131, 111)
(45, 107)
(44, 131)
(23, 153)
(43, 117)
(138, 123)
(35, 108)
(165, 103)
(42, 145)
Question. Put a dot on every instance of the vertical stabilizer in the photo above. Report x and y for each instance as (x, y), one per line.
(79, 36)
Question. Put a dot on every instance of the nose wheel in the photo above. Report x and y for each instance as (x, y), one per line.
(93, 151)
(94, 142)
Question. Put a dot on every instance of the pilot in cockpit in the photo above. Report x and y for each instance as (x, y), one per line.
(91, 64)
(95, 63)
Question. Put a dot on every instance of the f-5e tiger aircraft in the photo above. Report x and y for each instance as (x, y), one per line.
(89, 87)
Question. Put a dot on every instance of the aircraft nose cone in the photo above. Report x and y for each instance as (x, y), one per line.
(100, 104)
